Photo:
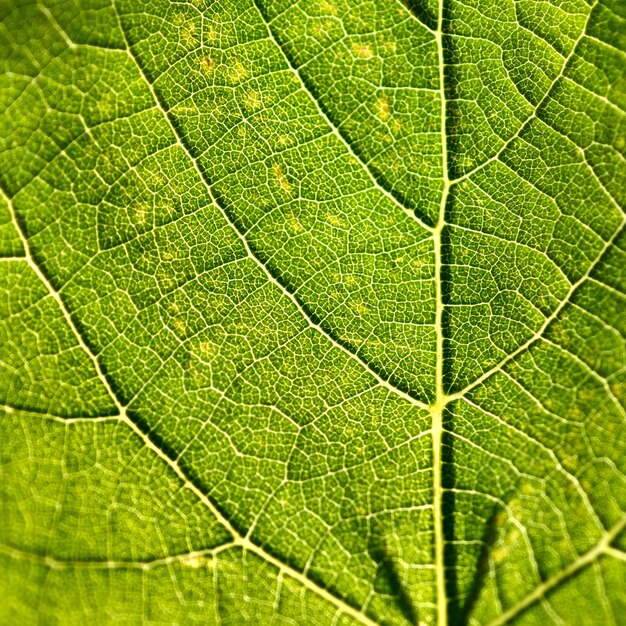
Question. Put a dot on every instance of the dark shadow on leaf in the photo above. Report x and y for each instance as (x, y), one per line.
(464, 610)
(426, 14)
(388, 579)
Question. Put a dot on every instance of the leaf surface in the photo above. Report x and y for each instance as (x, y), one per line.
(313, 312)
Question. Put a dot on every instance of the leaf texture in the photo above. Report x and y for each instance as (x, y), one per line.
(313, 312)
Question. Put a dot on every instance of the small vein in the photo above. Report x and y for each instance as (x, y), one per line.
(603, 547)
(252, 254)
(192, 559)
(608, 244)
(238, 539)
(535, 111)
(335, 129)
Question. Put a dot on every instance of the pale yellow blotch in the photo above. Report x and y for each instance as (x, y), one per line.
(500, 553)
(618, 389)
(106, 105)
(195, 375)
(359, 308)
(210, 34)
(217, 303)
(390, 47)
(284, 141)
(179, 19)
(207, 349)
(238, 72)
(253, 99)
(141, 213)
(591, 394)
(419, 264)
(188, 34)
(527, 489)
(501, 518)
(351, 280)
(294, 225)
(516, 508)
(242, 131)
(322, 28)
(396, 126)
(282, 179)
(180, 326)
(328, 7)
(168, 256)
(362, 51)
(167, 208)
(382, 108)
(208, 65)
(620, 143)
(335, 220)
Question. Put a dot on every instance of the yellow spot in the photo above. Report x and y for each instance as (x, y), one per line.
(328, 7)
(207, 349)
(500, 553)
(336, 221)
(210, 34)
(242, 131)
(238, 72)
(208, 64)
(284, 140)
(141, 213)
(618, 389)
(383, 110)
(361, 51)
(517, 510)
(282, 179)
(294, 225)
(188, 34)
(179, 19)
(620, 143)
(360, 308)
(501, 518)
(396, 125)
(217, 303)
(390, 47)
(253, 99)
(527, 489)
(180, 326)
(418, 264)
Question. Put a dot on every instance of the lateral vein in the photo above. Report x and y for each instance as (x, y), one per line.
(238, 539)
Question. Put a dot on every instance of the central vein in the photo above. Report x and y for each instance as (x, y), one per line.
(438, 407)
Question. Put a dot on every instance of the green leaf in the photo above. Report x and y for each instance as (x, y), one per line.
(313, 312)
